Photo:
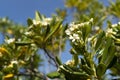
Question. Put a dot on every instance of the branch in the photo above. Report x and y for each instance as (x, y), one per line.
(52, 58)
(40, 75)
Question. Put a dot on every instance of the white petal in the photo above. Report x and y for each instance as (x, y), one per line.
(71, 37)
(114, 25)
(119, 23)
(87, 23)
(72, 28)
(68, 32)
(91, 20)
(76, 36)
(10, 40)
(73, 40)
(14, 62)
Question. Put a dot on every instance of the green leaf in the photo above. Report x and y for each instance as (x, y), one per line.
(29, 21)
(22, 43)
(73, 75)
(53, 30)
(105, 54)
(87, 69)
(1, 75)
(113, 62)
(88, 60)
(58, 60)
(111, 54)
(76, 59)
(86, 31)
(100, 70)
(53, 75)
(117, 43)
(38, 17)
(47, 30)
(83, 61)
(100, 37)
(73, 51)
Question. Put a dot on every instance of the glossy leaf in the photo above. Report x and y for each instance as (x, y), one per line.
(38, 16)
(100, 37)
(29, 21)
(113, 62)
(58, 60)
(72, 75)
(22, 43)
(111, 54)
(76, 59)
(86, 31)
(87, 69)
(105, 52)
(101, 69)
(53, 30)
(1, 75)
(53, 75)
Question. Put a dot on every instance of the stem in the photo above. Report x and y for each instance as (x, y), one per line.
(76, 60)
(41, 76)
(93, 65)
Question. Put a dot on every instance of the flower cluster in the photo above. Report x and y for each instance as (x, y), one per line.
(115, 25)
(44, 22)
(38, 25)
(9, 41)
(113, 29)
(74, 30)
(12, 63)
(70, 62)
(110, 31)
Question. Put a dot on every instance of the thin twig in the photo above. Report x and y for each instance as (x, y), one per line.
(52, 58)
(41, 76)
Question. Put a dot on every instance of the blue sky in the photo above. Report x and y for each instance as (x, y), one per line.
(20, 10)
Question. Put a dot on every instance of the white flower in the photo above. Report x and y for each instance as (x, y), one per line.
(68, 32)
(87, 23)
(74, 37)
(114, 25)
(89, 39)
(76, 26)
(14, 62)
(33, 45)
(35, 22)
(91, 20)
(97, 28)
(70, 62)
(79, 32)
(110, 31)
(11, 64)
(28, 33)
(72, 28)
(71, 24)
(81, 24)
(44, 23)
(10, 40)
(48, 19)
(118, 23)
